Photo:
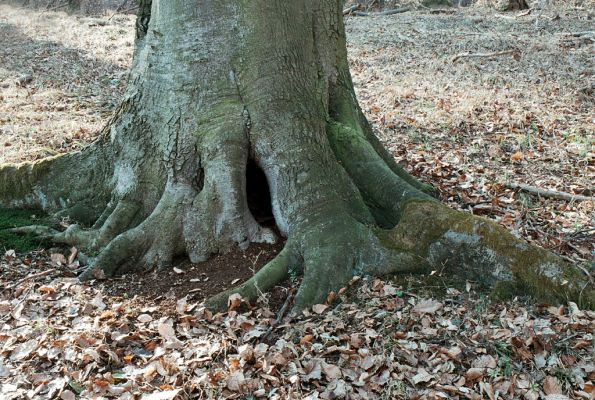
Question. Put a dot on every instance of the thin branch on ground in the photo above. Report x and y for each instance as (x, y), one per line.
(483, 55)
(548, 193)
(441, 11)
(281, 314)
(34, 276)
(56, 7)
(122, 12)
(525, 13)
(581, 34)
(351, 9)
(387, 12)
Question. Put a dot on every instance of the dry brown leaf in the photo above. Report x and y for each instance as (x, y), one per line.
(474, 374)
(517, 157)
(235, 381)
(422, 376)
(58, 259)
(319, 308)
(144, 318)
(306, 339)
(234, 301)
(312, 369)
(427, 307)
(551, 385)
(331, 371)
(164, 395)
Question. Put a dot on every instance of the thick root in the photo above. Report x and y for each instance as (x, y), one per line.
(153, 243)
(328, 253)
(429, 237)
(219, 217)
(383, 191)
(276, 271)
(478, 249)
(48, 185)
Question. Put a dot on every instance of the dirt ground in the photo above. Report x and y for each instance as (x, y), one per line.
(468, 124)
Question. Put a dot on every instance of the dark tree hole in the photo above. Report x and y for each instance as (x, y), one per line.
(259, 195)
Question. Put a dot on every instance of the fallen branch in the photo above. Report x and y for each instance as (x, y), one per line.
(548, 193)
(482, 55)
(34, 276)
(525, 13)
(351, 9)
(54, 8)
(122, 12)
(580, 34)
(441, 11)
(387, 12)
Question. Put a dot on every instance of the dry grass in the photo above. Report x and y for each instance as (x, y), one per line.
(77, 65)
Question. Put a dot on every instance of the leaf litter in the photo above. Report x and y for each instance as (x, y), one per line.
(372, 342)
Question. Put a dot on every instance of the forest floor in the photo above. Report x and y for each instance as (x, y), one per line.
(470, 125)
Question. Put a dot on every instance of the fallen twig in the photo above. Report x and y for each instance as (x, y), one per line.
(351, 9)
(280, 315)
(580, 34)
(525, 13)
(481, 55)
(122, 12)
(387, 12)
(548, 193)
(34, 276)
(55, 7)
(441, 11)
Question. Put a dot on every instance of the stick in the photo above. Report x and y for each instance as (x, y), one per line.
(478, 55)
(387, 12)
(351, 9)
(121, 6)
(442, 11)
(122, 12)
(34, 276)
(548, 193)
(580, 34)
(55, 7)
(280, 315)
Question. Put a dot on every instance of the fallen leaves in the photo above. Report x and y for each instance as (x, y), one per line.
(426, 307)
(446, 348)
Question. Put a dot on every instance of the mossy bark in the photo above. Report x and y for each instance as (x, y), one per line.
(209, 92)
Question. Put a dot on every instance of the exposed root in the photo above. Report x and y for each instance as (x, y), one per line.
(345, 110)
(383, 191)
(219, 217)
(475, 248)
(429, 237)
(153, 243)
(274, 272)
(328, 253)
(47, 184)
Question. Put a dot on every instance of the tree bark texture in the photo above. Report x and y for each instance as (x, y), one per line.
(218, 84)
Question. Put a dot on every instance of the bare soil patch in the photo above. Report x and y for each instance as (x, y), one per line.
(199, 281)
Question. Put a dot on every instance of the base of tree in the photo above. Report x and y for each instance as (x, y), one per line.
(170, 174)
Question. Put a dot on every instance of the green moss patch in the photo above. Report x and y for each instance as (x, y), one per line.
(13, 218)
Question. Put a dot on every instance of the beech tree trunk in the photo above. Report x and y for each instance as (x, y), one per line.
(218, 85)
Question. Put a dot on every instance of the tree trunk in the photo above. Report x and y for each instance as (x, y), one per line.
(216, 85)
